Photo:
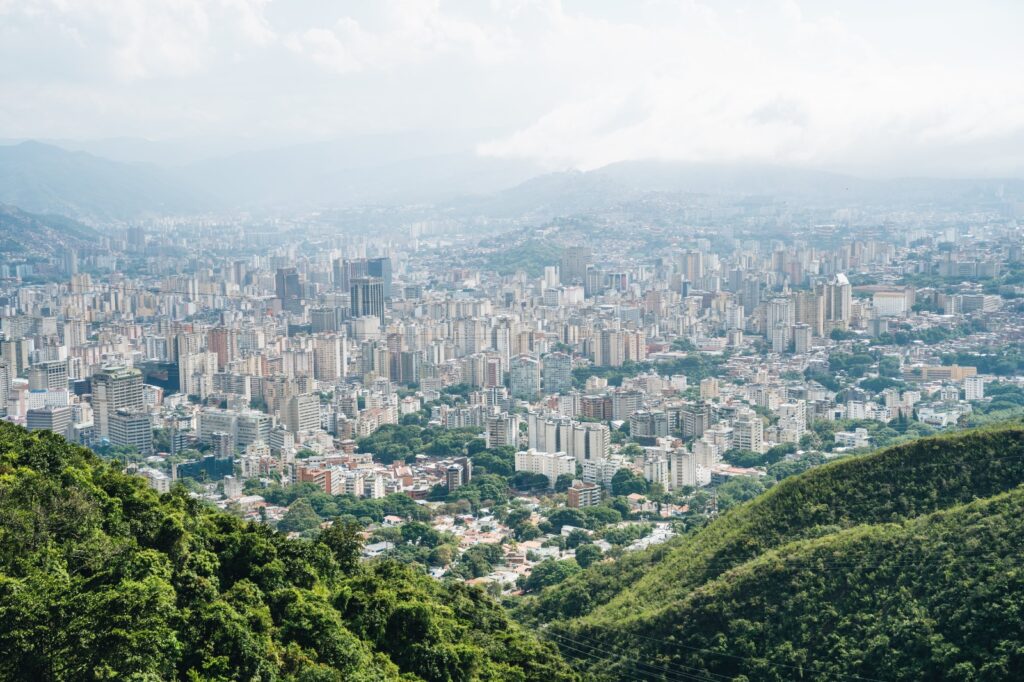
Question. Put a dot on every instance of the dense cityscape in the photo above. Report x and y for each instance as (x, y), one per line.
(511, 341)
(484, 406)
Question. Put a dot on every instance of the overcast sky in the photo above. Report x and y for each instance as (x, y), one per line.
(888, 86)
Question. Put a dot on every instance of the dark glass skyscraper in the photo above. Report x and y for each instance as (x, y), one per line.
(368, 297)
(289, 289)
(381, 268)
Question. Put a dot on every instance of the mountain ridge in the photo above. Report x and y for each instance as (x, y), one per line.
(890, 488)
(45, 178)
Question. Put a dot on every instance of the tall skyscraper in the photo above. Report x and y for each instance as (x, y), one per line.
(381, 269)
(368, 297)
(115, 388)
(809, 309)
(223, 342)
(557, 372)
(838, 295)
(329, 357)
(5, 385)
(573, 265)
(346, 270)
(524, 373)
(289, 289)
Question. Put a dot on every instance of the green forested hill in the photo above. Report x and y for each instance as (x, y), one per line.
(915, 551)
(101, 578)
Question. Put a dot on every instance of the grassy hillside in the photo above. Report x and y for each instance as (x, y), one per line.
(101, 578)
(652, 594)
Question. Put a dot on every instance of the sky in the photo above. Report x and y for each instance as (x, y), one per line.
(895, 87)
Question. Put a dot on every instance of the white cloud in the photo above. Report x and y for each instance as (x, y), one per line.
(770, 85)
(414, 32)
(134, 40)
(580, 83)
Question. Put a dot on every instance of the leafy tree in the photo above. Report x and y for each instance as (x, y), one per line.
(587, 555)
(567, 516)
(577, 538)
(738, 489)
(564, 482)
(549, 572)
(625, 482)
(300, 517)
(345, 541)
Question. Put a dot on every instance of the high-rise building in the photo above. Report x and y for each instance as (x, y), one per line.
(838, 300)
(367, 297)
(16, 353)
(223, 342)
(326, 319)
(695, 419)
(453, 477)
(5, 385)
(346, 270)
(131, 429)
(648, 425)
(557, 372)
(330, 357)
(115, 388)
(550, 464)
(809, 309)
(502, 429)
(748, 432)
(974, 388)
(51, 375)
(692, 265)
(289, 289)
(381, 269)
(195, 373)
(801, 338)
(52, 418)
(524, 377)
(573, 265)
(302, 413)
(582, 440)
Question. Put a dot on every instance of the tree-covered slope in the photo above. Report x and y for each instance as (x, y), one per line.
(101, 578)
(890, 485)
(939, 597)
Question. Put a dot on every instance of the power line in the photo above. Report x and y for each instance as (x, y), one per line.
(686, 672)
(755, 659)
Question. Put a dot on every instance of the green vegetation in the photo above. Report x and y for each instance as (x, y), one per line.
(101, 578)
(399, 442)
(791, 584)
(1005, 362)
(530, 256)
(331, 506)
(695, 366)
(1005, 402)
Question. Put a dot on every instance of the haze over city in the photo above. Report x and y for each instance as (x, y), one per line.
(511, 340)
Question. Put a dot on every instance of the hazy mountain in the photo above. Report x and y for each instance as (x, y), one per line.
(46, 179)
(23, 233)
(366, 170)
(572, 191)
(407, 169)
(354, 171)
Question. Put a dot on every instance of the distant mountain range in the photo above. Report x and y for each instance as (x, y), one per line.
(45, 178)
